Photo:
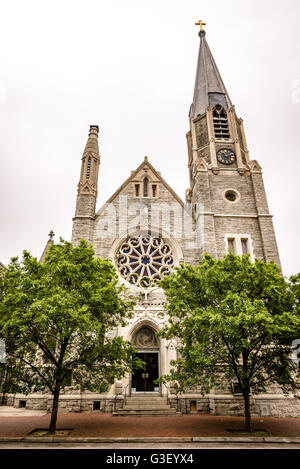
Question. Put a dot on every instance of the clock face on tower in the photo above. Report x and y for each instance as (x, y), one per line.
(225, 156)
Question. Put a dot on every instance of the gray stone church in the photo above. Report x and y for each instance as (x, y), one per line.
(146, 229)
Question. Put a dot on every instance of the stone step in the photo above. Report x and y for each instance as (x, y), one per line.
(146, 406)
(142, 412)
(144, 399)
(133, 402)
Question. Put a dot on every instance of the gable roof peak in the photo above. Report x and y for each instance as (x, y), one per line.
(145, 164)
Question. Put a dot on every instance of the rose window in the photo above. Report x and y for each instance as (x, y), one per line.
(143, 260)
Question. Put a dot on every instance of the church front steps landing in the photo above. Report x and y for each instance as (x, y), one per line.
(144, 405)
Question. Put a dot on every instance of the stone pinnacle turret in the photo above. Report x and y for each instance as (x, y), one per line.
(90, 164)
(87, 188)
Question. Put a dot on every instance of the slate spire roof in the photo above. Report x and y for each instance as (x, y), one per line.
(209, 87)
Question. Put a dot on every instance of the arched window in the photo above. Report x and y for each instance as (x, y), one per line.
(88, 169)
(146, 183)
(220, 123)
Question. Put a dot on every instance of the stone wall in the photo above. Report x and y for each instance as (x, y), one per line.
(214, 404)
(260, 406)
(66, 403)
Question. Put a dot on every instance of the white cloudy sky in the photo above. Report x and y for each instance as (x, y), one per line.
(129, 66)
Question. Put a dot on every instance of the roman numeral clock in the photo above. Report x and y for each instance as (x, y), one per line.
(226, 156)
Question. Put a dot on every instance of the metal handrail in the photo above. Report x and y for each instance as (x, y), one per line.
(125, 393)
(167, 388)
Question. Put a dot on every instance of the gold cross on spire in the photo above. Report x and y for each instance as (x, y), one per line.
(200, 23)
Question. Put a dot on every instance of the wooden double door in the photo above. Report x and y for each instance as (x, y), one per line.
(143, 379)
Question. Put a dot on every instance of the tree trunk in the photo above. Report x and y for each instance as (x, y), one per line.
(52, 426)
(248, 426)
(3, 378)
(3, 399)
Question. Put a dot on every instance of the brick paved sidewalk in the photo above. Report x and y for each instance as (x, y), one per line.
(105, 425)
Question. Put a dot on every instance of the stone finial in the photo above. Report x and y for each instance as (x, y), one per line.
(48, 244)
(92, 142)
(94, 129)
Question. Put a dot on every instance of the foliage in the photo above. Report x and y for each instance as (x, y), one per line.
(58, 321)
(295, 288)
(234, 319)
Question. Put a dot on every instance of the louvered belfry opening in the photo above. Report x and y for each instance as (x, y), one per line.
(221, 126)
(88, 170)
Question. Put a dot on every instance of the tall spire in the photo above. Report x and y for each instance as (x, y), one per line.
(87, 189)
(209, 87)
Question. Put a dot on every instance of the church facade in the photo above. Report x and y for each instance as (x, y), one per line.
(145, 229)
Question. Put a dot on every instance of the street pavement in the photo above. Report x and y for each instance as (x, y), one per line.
(8, 411)
(228, 445)
(98, 430)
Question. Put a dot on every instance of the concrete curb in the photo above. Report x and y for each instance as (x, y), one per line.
(248, 439)
(196, 439)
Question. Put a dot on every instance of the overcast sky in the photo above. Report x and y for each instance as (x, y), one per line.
(129, 66)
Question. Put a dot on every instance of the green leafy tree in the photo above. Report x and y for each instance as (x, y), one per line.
(56, 318)
(234, 319)
(3, 368)
(295, 288)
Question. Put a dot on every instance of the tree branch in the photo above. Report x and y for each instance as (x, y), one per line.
(34, 368)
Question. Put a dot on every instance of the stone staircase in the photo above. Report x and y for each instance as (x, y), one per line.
(147, 405)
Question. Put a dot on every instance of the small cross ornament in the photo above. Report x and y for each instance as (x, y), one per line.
(200, 23)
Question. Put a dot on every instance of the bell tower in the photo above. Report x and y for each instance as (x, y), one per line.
(83, 222)
(223, 179)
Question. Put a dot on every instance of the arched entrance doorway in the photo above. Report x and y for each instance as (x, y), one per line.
(147, 344)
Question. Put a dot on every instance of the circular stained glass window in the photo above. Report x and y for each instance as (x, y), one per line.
(143, 260)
